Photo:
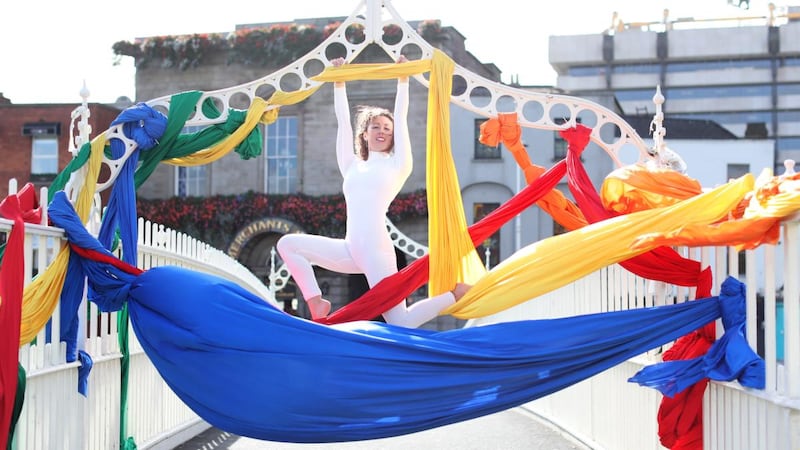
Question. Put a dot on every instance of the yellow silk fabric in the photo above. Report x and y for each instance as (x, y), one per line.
(636, 188)
(452, 255)
(505, 128)
(559, 260)
(257, 113)
(774, 199)
(352, 72)
(41, 296)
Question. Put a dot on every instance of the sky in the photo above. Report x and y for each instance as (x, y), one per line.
(48, 56)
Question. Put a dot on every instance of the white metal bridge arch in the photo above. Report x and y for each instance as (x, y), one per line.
(735, 417)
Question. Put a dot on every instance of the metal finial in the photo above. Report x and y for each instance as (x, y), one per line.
(84, 92)
(789, 165)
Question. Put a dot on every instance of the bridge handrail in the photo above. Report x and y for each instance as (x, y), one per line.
(534, 109)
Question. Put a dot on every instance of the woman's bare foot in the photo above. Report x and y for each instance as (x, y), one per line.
(318, 307)
(460, 290)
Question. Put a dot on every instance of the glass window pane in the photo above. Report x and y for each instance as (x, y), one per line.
(44, 158)
(281, 155)
(489, 249)
(484, 151)
(191, 181)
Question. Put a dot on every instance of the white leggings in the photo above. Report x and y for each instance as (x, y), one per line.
(302, 251)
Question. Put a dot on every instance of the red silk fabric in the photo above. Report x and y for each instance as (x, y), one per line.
(505, 128)
(20, 208)
(680, 420)
(393, 289)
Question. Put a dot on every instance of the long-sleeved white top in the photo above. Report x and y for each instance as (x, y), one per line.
(370, 186)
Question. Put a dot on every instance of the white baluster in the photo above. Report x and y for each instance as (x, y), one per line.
(789, 165)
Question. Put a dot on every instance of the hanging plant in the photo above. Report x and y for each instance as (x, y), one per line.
(216, 219)
(392, 34)
(170, 51)
(431, 31)
(274, 46)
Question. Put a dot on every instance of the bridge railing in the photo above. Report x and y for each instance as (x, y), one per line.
(55, 415)
(734, 417)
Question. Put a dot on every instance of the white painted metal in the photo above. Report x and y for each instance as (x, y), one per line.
(591, 410)
(609, 413)
(55, 415)
(791, 305)
(374, 16)
(605, 410)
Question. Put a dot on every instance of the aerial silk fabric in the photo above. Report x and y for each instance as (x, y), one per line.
(253, 370)
(452, 254)
(637, 187)
(162, 137)
(20, 208)
(696, 357)
(505, 128)
(556, 261)
(395, 288)
(42, 294)
(659, 263)
(630, 189)
(774, 199)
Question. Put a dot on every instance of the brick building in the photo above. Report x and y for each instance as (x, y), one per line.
(34, 139)
(308, 131)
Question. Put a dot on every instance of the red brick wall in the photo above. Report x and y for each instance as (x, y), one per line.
(15, 149)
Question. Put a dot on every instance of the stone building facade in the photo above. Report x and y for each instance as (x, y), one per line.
(34, 139)
(742, 74)
(486, 182)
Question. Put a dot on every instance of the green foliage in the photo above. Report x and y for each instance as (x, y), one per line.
(217, 219)
(274, 46)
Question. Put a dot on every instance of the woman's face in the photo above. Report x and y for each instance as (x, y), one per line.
(380, 134)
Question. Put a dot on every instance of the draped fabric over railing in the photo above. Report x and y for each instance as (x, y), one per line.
(393, 380)
(21, 207)
(281, 378)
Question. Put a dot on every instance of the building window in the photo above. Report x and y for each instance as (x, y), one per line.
(788, 143)
(586, 71)
(44, 156)
(491, 257)
(693, 93)
(483, 151)
(559, 148)
(559, 229)
(191, 181)
(737, 170)
(559, 144)
(281, 156)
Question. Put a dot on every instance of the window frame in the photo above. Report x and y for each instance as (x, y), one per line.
(191, 181)
(479, 211)
(44, 156)
(483, 152)
(282, 180)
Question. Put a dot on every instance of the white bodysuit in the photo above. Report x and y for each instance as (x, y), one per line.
(369, 188)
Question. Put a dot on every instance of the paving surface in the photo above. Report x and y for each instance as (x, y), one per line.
(509, 430)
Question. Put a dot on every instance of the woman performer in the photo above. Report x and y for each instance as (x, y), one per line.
(373, 172)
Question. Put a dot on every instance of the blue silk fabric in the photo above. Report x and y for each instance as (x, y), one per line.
(252, 370)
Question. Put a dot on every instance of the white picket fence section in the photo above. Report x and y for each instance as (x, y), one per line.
(607, 412)
(55, 415)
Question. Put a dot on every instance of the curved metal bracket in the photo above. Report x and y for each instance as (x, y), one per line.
(481, 96)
